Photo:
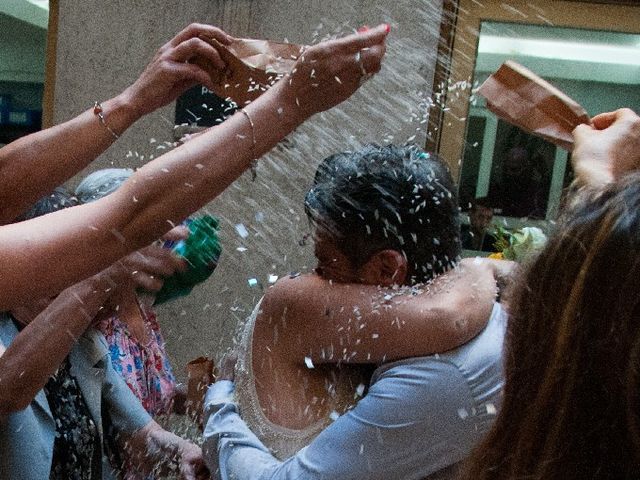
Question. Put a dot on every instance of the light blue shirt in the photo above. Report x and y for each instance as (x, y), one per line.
(420, 416)
(27, 436)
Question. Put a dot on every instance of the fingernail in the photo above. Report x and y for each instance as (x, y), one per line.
(363, 29)
(387, 27)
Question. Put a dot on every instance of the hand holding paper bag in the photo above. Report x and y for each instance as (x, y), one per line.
(252, 67)
(520, 97)
(320, 76)
(608, 149)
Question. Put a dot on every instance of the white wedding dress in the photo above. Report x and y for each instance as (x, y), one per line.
(282, 442)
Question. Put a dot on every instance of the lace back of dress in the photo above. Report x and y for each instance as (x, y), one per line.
(283, 442)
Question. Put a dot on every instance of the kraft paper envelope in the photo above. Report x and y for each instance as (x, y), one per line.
(520, 97)
(252, 67)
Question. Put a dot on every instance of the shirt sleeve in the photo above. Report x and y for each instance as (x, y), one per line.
(230, 448)
(375, 440)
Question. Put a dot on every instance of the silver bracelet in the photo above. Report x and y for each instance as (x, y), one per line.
(254, 161)
(97, 110)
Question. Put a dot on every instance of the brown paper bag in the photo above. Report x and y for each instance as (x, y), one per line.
(252, 67)
(199, 377)
(520, 97)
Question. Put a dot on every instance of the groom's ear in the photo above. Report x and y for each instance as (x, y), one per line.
(384, 268)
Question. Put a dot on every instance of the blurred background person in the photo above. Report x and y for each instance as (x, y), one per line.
(477, 234)
(520, 191)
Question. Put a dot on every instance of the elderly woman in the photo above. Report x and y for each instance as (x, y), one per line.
(129, 323)
(62, 405)
(571, 407)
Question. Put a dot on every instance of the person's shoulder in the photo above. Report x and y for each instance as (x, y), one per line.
(484, 353)
(291, 291)
(91, 349)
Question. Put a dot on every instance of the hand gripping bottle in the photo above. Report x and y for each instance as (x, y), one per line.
(201, 249)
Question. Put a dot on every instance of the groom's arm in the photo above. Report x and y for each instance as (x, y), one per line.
(230, 448)
(385, 436)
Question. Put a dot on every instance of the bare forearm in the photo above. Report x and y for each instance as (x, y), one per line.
(148, 451)
(56, 154)
(88, 238)
(153, 449)
(192, 175)
(366, 324)
(44, 343)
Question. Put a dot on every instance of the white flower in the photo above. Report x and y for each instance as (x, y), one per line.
(527, 240)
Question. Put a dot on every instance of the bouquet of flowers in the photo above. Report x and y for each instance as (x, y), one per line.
(518, 244)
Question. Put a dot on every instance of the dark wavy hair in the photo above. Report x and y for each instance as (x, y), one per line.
(389, 197)
(571, 407)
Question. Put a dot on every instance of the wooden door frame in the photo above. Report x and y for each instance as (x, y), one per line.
(459, 44)
(50, 66)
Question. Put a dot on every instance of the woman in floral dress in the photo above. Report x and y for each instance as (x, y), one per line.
(129, 323)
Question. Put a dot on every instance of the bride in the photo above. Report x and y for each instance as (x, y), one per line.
(385, 226)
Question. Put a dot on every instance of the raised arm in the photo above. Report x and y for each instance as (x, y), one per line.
(57, 153)
(332, 322)
(82, 240)
(39, 349)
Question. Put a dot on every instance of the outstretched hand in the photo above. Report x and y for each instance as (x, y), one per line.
(608, 148)
(170, 72)
(227, 370)
(330, 72)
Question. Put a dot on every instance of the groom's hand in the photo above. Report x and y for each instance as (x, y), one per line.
(227, 369)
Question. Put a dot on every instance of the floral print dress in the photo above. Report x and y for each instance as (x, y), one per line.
(144, 367)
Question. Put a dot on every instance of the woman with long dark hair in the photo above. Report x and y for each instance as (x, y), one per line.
(571, 407)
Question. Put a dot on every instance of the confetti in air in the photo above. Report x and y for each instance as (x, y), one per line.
(242, 230)
(308, 362)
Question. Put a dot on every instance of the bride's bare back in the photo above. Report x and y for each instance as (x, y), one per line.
(285, 402)
(296, 393)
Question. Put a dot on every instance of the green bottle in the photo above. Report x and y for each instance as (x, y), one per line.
(201, 249)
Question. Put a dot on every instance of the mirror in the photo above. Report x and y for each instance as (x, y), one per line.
(519, 174)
